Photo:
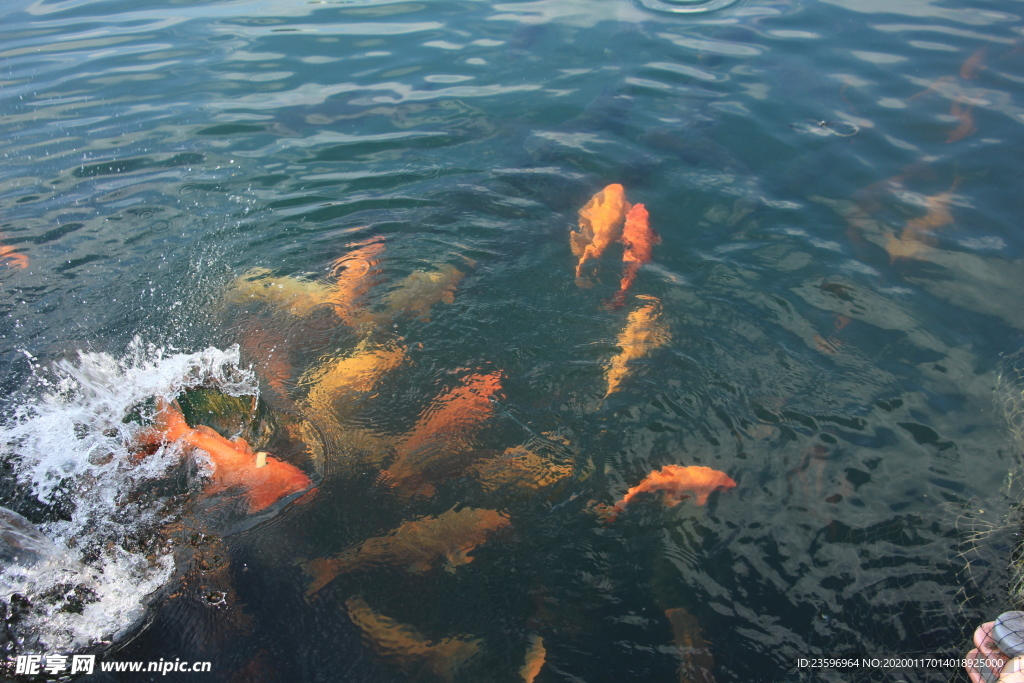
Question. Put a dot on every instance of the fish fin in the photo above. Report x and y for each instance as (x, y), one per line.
(322, 571)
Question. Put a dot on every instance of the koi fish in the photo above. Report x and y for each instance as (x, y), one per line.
(447, 422)
(676, 482)
(535, 657)
(639, 240)
(355, 274)
(416, 545)
(409, 647)
(600, 223)
(696, 662)
(974, 64)
(356, 373)
(265, 479)
(298, 296)
(268, 349)
(916, 235)
(962, 114)
(643, 332)
(521, 469)
(418, 293)
(12, 258)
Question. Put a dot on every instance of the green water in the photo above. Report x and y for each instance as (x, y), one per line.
(840, 268)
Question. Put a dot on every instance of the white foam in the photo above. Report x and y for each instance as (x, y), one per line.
(69, 445)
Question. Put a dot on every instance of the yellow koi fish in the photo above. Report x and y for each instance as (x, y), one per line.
(643, 332)
(535, 657)
(417, 294)
(408, 647)
(416, 545)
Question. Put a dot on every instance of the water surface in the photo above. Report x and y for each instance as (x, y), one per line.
(840, 269)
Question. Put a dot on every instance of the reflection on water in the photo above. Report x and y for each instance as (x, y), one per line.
(374, 201)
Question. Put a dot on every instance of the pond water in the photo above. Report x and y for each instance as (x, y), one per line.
(836, 290)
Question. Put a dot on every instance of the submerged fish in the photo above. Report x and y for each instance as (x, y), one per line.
(12, 258)
(535, 657)
(639, 240)
(520, 469)
(918, 235)
(355, 274)
(974, 64)
(336, 390)
(417, 545)
(696, 663)
(298, 296)
(417, 294)
(600, 223)
(676, 482)
(407, 646)
(264, 478)
(355, 373)
(440, 434)
(643, 332)
(965, 117)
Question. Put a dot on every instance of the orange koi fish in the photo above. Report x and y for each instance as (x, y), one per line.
(974, 64)
(639, 240)
(265, 479)
(963, 114)
(916, 235)
(355, 274)
(676, 482)
(417, 545)
(407, 646)
(12, 258)
(643, 332)
(447, 422)
(600, 224)
(536, 655)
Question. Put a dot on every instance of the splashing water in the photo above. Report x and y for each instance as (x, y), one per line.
(70, 448)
